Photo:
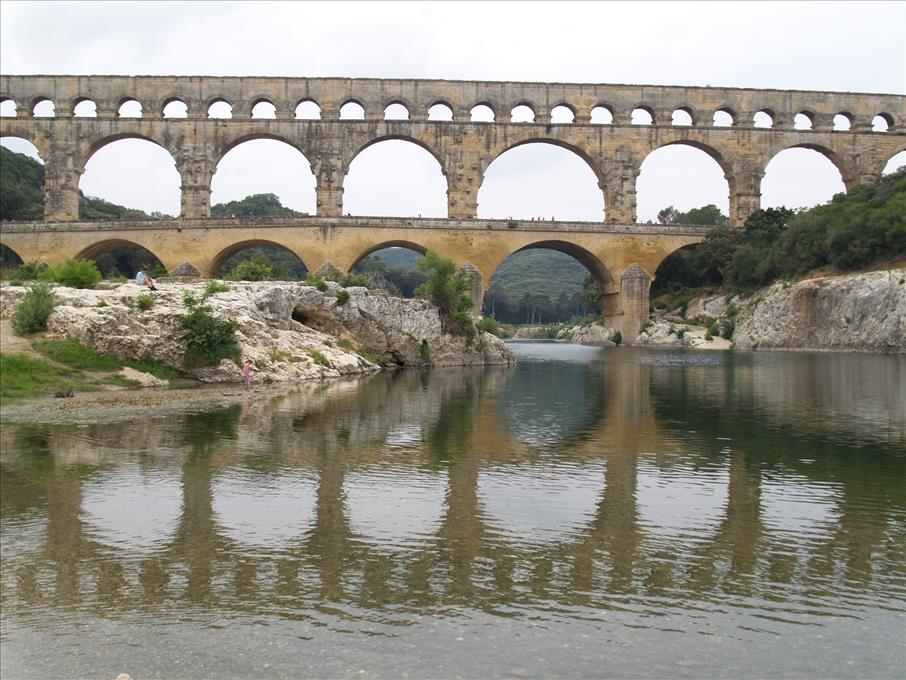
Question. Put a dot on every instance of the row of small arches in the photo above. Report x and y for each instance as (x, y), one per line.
(353, 110)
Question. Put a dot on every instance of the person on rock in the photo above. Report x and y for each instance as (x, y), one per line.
(143, 279)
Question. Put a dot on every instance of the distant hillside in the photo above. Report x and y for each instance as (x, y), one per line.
(22, 195)
(21, 187)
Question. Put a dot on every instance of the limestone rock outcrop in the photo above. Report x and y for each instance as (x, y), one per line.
(290, 331)
(864, 312)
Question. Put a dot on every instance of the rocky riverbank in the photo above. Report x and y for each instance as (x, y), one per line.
(855, 312)
(290, 331)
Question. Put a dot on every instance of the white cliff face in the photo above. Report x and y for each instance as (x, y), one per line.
(864, 312)
(289, 331)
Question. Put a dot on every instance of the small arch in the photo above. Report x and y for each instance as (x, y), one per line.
(9, 260)
(352, 110)
(391, 265)
(175, 108)
(120, 257)
(220, 108)
(8, 108)
(682, 117)
(264, 109)
(763, 119)
(803, 120)
(130, 108)
(562, 114)
(440, 111)
(287, 262)
(601, 115)
(522, 113)
(482, 113)
(396, 111)
(882, 122)
(85, 108)
(642, 115)
(308, 109)
(843, 121)
(43, 108)
(724, 117)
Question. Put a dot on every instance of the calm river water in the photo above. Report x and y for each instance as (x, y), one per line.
(589, 512)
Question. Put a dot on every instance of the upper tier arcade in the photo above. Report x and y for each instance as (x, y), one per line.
(718, 121)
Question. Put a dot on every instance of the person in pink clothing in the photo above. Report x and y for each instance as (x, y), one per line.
(247, 373)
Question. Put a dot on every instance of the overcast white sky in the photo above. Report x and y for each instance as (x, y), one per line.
(846, 46)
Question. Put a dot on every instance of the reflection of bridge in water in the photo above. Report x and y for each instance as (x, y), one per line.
(278, 507)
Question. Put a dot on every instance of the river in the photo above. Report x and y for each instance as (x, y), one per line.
(588, 512)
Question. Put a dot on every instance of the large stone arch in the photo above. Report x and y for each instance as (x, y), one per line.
(595, 266)
(230, 144)
(98, 248)
(381, 245)
(847, 173)
(438, 153)
(582, 153)
(4, 247)
(95, 145)
(35, 137)
(723, 160)
(225, 253)
(599, 172)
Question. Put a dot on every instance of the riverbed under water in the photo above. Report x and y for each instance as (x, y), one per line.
(588, 512)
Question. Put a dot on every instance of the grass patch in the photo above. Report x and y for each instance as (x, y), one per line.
(74, 354)
(319, 358)
(22, 376)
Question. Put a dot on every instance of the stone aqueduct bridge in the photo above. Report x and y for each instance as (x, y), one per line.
(623, 255)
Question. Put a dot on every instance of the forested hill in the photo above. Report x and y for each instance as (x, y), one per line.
(22, 195)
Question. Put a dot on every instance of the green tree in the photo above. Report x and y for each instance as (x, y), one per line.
(447, 288)
(256, 205)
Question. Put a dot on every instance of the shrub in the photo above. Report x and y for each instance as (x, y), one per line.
(188, 299)
(102, 303)
(73, 273)
(424, 352)
(144, 302)
(489, 325)
(257, 268)
(211, 338)
(28, 271)
(213, 287)
(680, 333)
(708, 336)
(342, 297)
(31, 314)
(616, 338)
(727, 328)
